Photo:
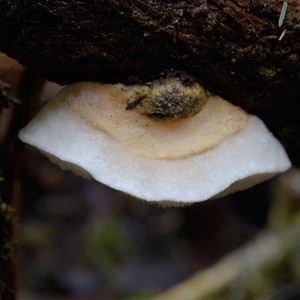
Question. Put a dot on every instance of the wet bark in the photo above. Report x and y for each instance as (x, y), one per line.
(235, 48)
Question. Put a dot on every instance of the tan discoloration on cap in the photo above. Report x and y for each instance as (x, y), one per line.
(104, 108)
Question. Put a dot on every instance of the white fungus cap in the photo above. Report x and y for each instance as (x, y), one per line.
(245, 158)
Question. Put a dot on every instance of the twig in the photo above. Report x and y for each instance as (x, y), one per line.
(11, 150)
(266, 251)
(206, 283)
(9, 193)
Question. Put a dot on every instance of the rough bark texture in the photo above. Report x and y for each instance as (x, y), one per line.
(235, 48)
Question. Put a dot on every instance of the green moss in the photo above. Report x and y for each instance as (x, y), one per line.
(168, 99)
(144, 295)
(8, 245)
(107, 243)
(268, 72)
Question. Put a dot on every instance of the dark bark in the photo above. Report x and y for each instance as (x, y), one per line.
(235, 48)
(11, 73)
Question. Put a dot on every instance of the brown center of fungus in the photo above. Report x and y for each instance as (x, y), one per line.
(102, 106)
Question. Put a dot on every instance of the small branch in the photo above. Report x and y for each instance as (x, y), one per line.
(28, 87)
(265, 266)
(267, 246)
(11, 74)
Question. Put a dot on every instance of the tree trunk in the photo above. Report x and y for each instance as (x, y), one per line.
(239, 49)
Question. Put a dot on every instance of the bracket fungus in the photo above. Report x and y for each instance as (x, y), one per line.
(217, 151)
